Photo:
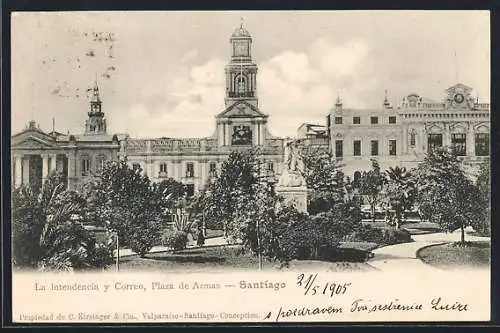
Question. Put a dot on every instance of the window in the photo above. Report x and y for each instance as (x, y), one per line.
(212, 169)
(392, 119)
(339, 148)
(136, 166)
(85, 166)
(163, 170)
(190, 190)
(392, 147)
(412, 138)
(357, 148)
(338, 120)
(270, 166)
(374, 147)
(482, 144)
(189, 170)
(458, 142)
(356, 120)
(434, 141)
(374, 120)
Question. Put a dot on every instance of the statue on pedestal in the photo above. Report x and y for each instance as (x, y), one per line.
(291, 185)
(291, 177)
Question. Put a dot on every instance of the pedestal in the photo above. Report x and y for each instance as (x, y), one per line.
(296, 195)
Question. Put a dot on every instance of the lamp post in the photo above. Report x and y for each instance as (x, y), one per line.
(117, 252)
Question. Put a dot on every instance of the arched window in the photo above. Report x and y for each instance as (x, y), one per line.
(241, 85)
(163, 170)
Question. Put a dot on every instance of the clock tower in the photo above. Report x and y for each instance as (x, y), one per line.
(241, 123)
(241, 72)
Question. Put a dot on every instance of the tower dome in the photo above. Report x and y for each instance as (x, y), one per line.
(241, 31)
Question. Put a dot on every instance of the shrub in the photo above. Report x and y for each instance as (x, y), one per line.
(382, 236)
(310, 238)
(349, 255)
(142, 238)
(177, 240)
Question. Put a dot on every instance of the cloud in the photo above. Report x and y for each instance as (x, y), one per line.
(183, 107)
(190, 55)
(293, 87)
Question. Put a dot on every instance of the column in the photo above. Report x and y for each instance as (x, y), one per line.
(26, 170)
(53, 159)
(45, 167)
(220, 126)
(404, 142)
(71, 169)
(446, 135)
(262, 130)
(470, 140)
(255, 133)
(227, 137)
(203, 173)
(422, 142)
(18, 170)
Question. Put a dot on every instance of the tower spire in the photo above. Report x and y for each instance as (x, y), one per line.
(96, 123)
(386, 100)
(338, 103)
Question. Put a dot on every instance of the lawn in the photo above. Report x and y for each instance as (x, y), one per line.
(224, 258)
(451, 256)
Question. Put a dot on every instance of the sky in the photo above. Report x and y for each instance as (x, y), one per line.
(161, 74)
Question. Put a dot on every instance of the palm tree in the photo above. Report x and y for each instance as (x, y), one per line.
(48, 232)
(400, 192)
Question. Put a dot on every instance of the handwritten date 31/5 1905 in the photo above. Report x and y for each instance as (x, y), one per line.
(311, 287)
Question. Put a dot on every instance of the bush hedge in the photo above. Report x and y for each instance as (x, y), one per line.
(177, 240)
(382, 236)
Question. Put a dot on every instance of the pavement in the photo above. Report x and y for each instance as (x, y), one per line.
(404, 256)
(208, 242)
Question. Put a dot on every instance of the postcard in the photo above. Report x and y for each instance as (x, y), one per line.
(250, 166)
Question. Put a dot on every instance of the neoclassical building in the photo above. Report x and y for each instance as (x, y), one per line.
(193, 161)
(394, 136)
(403, 135)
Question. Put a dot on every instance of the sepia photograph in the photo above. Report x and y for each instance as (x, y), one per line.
(270, 155)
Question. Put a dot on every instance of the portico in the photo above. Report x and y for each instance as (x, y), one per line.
(34, 167)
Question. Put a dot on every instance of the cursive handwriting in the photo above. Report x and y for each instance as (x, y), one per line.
(361, 305)
(304, 311)
(439, 305)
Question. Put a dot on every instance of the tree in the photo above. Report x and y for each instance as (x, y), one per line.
(124, 200)
(239, 173)
(48, 229)
(400, 192)
(325, 182)
(371, 185)
(483, 182)
(445, 194)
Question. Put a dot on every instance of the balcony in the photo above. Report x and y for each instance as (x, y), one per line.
(162, 174)
(246, 94)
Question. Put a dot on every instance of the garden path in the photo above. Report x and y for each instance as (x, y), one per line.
(404, 256)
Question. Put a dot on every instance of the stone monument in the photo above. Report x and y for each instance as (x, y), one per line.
(291, 185)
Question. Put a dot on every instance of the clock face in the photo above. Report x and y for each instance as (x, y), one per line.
(458, 98)
(242, 135)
